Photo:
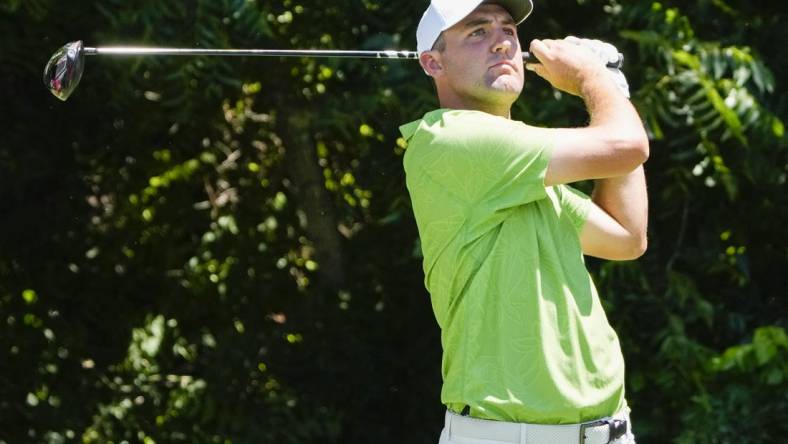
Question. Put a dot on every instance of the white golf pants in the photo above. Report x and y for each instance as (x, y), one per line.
(467, 430)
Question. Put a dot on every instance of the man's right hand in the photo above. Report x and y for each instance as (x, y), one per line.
(568, 66)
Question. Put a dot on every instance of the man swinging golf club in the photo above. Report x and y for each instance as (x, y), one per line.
(528, 354)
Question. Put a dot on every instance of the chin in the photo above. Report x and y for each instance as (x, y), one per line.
(508, 90)
(507, 84)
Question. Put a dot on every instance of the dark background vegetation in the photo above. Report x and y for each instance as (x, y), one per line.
(219, 250)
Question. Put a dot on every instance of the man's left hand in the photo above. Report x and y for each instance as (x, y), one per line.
(607, 53)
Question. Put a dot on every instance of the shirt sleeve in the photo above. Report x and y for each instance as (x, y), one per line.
(575, 204)
(470, 169)
(489, 161)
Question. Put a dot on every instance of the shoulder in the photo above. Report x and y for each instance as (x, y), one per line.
(471, 129)
(447, 122)
(477, 123)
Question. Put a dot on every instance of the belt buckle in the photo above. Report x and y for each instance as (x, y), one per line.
(616, 429)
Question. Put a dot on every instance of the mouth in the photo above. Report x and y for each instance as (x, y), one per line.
(504, 64)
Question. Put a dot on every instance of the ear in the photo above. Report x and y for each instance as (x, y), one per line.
(430, 62)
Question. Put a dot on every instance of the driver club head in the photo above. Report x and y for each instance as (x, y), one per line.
(64, 70)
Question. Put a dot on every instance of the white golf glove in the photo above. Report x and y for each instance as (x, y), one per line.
(608, 54)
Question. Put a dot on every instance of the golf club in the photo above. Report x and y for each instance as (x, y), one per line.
(64, 69)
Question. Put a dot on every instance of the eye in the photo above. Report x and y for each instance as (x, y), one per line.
(510, 31)
(478, 32)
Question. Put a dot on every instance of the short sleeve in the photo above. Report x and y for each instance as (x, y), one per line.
(575, 204)
(486, 161)
(466, 171)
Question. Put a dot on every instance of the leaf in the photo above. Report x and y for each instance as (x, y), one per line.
(764, 80)
(643, 37)
(685, 58)
(731, 119)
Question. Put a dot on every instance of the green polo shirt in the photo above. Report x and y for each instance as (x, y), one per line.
(525, 338)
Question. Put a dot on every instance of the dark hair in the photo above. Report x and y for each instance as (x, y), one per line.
(440, 44)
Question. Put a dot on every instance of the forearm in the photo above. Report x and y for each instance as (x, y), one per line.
(625, 199)
(614, 144)
(613, 118)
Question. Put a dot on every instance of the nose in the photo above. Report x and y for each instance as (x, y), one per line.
(503, 43)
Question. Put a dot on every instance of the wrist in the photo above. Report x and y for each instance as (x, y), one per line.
(596, 81)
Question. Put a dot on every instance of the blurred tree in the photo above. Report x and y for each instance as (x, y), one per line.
(222, 250)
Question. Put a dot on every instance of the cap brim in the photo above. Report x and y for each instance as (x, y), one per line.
(518, 9)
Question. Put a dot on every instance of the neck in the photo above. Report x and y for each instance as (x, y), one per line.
(452, 101)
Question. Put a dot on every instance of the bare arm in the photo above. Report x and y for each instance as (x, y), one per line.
(614, 143)
(616, 225)
(611, 149)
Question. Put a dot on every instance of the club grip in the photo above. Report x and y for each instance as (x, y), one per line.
(618, 64)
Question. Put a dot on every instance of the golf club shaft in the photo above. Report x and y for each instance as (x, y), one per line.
(64, 69)
(388, 54)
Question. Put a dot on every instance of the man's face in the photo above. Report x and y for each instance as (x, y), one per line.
(482, 60)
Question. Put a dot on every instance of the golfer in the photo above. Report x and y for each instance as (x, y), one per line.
(529, 356)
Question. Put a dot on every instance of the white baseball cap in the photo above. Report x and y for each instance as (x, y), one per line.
(443, 14)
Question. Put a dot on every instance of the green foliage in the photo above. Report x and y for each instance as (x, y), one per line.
(743, 393)
(219, 250)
